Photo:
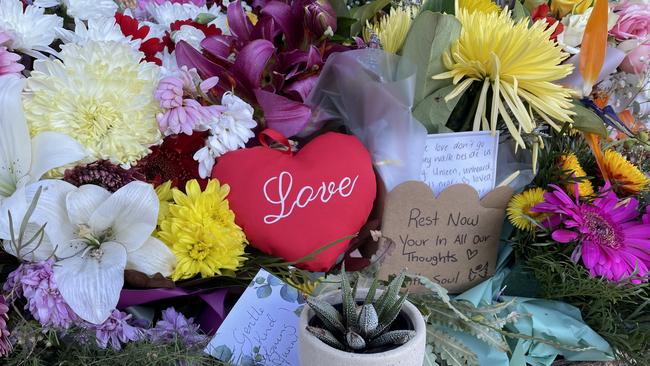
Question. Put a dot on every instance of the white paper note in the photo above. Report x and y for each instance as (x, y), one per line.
(262, 327)
(460, 157)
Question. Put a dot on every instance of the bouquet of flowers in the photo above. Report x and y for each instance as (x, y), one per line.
(129, 130)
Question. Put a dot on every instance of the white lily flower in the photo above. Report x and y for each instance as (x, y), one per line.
(24, 160)
(96, 235)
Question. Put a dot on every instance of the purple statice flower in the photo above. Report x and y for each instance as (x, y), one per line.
(5, 344)
(611, 240)
(116, 330)
(175, 325)
(35, 282)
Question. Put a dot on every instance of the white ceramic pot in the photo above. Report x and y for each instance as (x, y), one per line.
(313, 352)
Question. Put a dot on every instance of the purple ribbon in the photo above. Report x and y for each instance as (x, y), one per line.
(209, 319)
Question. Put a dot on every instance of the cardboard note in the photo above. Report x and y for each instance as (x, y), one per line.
(262, 327)
(460, 157)
(452, 239)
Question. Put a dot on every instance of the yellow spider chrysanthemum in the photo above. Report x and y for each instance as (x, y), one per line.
(569, 163)
(200, 229)
(519, 63)
(625, 176)
(392, 29)
(484, 6)
(99, 94)
(520, 205)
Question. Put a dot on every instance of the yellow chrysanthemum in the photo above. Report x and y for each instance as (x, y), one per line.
(519, 63)
(200, 229)
(520, 205)
(484, 6)
(392, 28)
(569, 163)
(625, 176)
(165, 197)
(563, 7)
(99, 94)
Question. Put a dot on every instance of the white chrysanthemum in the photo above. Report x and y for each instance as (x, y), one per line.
(189, 34)
(229, 131)
(167, 13)
(83, 9)
(98, 29)
(101, 95)
(31, 30)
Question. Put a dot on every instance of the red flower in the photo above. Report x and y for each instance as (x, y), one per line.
(131, 27)
(543, 12)
(173, 160)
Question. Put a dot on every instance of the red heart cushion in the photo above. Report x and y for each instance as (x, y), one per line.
(290, 206)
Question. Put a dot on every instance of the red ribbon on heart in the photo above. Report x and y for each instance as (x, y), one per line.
(290, 205)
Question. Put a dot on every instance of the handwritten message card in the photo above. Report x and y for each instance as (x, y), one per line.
(460, 157)
(452, 239)
(262, 327)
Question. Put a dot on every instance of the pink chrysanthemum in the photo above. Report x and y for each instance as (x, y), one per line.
(8, 60)
(611, 241)
(35, 282)
(116, 330)
(5, 344)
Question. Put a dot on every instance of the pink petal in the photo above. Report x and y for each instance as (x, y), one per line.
(281, 114)
(564, 236)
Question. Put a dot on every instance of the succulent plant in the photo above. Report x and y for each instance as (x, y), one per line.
(361, 327)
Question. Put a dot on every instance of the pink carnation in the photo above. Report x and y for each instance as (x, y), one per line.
(633, 20)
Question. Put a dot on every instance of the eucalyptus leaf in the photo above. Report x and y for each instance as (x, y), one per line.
(365, 12)
(430, 36)
(433, 112)
(519, 11)
(440, 6)
(587, 121)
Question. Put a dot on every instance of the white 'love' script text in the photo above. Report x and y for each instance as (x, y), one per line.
(278, 191)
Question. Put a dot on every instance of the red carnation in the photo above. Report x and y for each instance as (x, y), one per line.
(131, 27)
(543, 12)
(173, 160)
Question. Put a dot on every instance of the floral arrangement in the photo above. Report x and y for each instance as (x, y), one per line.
(114, 115)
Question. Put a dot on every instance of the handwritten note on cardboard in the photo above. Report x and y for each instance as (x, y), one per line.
(262, 327)
(452, 239)
(460, 157)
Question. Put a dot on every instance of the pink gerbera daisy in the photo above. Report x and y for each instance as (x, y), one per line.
(611, 241)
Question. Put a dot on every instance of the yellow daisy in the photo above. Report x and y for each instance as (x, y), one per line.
(484, 6)
(625, 176)
(570, 164)
(519, 207)
(392, 28)
(518, 62)
(200, 229)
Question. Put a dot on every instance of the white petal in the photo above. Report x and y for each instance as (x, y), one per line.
(51, 211)
(131, 212)
(82, 202)
(15, 149)
(151, 258)
(36, 251)
(91, 284)
(52, 150)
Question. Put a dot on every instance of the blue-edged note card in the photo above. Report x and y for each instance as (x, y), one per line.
(262, 327)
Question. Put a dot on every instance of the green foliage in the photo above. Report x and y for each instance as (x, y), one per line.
(587, 121)
(34, 347)
(361, 327)
(364, 13)
(430, 36)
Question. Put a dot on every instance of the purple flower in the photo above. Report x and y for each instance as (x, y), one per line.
(174, 325)
(117, 330)
(35, 282)
(611, 241)
(5, 344)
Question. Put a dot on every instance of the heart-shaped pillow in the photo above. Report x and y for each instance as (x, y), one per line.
(292, 205)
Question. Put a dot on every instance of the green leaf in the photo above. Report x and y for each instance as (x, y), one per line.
(368, 320)
(430, 358)
(394, 337)
(519, 12)
(365, 12)
(390, 295)
(343, 26)
(340, 7)
(450, 349)
(430, 36)
(370, 298)
(433, 112)
(442, 294)
(439, 6)
(326, 337)
(349, 303)
(587, 121)
(327, 314)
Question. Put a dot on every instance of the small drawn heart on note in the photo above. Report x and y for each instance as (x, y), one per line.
(471, 253)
